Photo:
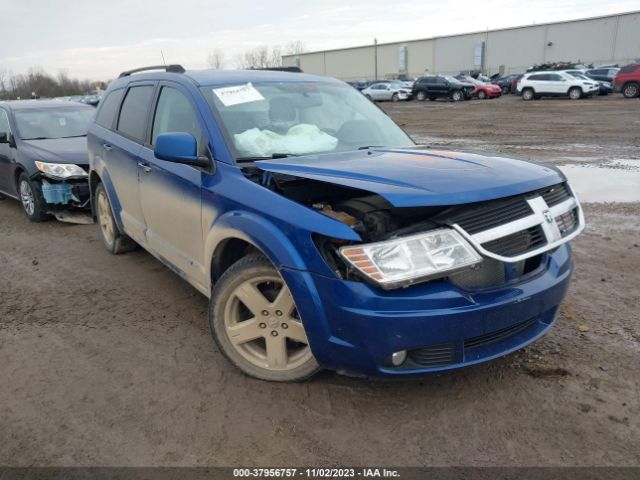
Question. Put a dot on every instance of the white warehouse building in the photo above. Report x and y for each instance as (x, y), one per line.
(597, 40)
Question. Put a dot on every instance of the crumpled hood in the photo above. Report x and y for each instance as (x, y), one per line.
(425, 177)
(57, 150)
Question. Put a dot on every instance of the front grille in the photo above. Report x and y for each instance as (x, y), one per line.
(517, 243)
(489, 273)
(497, 335)
(567, 222)
(433, 355)
(556, 194)
(490, 215)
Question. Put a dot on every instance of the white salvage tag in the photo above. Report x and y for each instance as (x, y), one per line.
(239, 94)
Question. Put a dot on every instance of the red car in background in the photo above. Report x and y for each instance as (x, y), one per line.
(627, 81)
(482, 89)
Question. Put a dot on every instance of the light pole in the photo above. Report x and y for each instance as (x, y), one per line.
(375, 58)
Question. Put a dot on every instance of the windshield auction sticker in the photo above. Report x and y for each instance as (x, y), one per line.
(236, 95)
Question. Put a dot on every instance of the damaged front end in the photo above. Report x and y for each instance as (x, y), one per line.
(65, 191)
(474, 245)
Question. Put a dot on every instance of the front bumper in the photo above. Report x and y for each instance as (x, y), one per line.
(354, 327)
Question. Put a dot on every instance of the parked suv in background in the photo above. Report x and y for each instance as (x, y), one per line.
(438, 86)
(602, 74)
(627, 81)
(321, 233)
(555, 84)
(43, 158)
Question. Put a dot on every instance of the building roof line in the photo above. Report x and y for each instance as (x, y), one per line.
(477, 32)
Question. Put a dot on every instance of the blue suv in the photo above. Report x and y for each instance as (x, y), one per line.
(322, 234)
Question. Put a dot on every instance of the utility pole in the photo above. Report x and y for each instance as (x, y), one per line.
(375, 58)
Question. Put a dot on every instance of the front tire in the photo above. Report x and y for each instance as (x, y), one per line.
(394, 97)
(631, 90)
(457, 96)
(114, 241)
(575, 93)
(482, 95)
(254, 322)
(31, 200)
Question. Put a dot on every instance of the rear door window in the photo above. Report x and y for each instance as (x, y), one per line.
(109, 109)
(133, 114)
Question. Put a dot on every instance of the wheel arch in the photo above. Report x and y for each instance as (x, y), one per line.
(238, 233)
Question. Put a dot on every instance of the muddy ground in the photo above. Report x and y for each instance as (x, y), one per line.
(108, 360)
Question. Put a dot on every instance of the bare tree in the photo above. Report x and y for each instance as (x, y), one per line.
(38, 83)
(294, 48)
(259, 57)
(216, 59)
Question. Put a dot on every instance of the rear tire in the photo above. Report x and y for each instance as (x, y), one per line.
(421, 96)
(575, 93)
(528, 94)
(114, 241)
(631, 90)
(31, 200)
(254, 322)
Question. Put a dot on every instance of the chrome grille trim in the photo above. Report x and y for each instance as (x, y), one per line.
(543, 215)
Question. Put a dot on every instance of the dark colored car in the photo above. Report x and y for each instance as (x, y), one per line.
(602, 74)
(438, 86)
(514, 84)
(321, 233)
(506, 82)
(627, 81)
(43, 157)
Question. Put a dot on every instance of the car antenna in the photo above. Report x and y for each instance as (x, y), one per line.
(163, 60)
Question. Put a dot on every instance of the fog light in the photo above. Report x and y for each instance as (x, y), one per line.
(398, 358)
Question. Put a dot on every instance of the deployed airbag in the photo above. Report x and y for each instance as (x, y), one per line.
(299, 140)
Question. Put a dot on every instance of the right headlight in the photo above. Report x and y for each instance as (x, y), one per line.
(407, 260)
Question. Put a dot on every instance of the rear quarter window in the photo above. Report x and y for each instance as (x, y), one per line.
(135, 108)
(109, 108)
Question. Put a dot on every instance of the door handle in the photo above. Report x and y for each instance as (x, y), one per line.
(107, 147)
(144, 167)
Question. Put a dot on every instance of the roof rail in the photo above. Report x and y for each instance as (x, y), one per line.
(167, 68)
(281, 69)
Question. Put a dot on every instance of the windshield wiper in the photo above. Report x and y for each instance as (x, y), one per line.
(36, 138)
(266, 157)
(75, 136)
(367, 147)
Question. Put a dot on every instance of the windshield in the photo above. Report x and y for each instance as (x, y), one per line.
(451, 78)
(62, 122)
(269, 119)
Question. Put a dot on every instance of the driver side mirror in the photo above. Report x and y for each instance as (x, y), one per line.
(179, 147)
(4, 137)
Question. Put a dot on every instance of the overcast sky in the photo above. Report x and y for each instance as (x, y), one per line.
(97, 40)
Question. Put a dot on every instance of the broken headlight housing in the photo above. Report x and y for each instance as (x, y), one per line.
(406, 260)
(61, 170)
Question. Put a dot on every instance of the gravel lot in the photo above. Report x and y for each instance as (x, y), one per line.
(108, 360)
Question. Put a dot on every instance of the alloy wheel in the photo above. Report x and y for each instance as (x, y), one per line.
(27, 197)
(105, 218)
(262, 324)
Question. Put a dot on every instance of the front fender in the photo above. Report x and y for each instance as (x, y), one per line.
(258, 231)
